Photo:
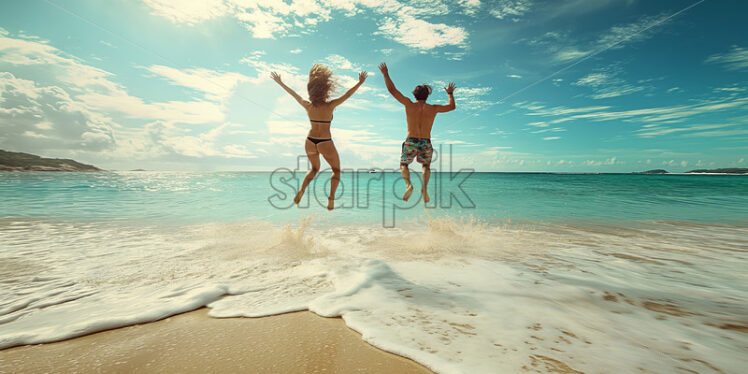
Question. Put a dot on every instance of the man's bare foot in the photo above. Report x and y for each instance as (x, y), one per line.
(408, 190)
(425, 194)
(330, 204)
(297, 199)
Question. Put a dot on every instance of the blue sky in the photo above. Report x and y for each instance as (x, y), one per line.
(563, 85)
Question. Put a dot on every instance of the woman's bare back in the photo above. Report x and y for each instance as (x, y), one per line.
(323, 112)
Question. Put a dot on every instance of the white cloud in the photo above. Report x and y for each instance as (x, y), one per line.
(39, 54)
(510, 8)
(651, 131)
(188, 11)
(540, 110)
(735, 59)
(551, 129)
(636, 31)
(420, 34)
(468, 98)
(717, 133)
(216, 85)
(262, 23)
(655, 120)
(94, 89)
(168, 139)
(340, 62)
(594, 80)
(267, 20)
(295, 51)
(565, 48)
(60, 122)
(514, 76)
(607, 84)
(470, 7)
(71, 113)
(552, 138)
(192, 112)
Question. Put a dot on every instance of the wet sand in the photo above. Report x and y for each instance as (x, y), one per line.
(193, 342)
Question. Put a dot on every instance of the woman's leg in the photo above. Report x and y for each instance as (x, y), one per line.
(328, 151)
(313, 155)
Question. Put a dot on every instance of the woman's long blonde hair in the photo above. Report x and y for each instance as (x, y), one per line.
(320, 85)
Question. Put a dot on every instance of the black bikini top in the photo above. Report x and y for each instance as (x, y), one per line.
(314, 120)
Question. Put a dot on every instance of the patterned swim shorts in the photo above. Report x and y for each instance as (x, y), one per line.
(418, 148)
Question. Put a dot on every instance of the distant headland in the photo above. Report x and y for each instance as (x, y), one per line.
(699, 171)
(653, 171)
(19, 161)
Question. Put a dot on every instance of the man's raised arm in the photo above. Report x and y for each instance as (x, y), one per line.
(451, 106)
(391, 86)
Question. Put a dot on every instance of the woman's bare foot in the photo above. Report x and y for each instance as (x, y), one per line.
(330, 203)
(297, 199)
(425, 194)
(408, 190)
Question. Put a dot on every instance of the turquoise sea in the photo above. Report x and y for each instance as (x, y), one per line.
(500, 272)
(194, 197)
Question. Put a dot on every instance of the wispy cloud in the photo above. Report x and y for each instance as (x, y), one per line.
(565, 47)
(510, 8)
(648, 132)
(607, 84)
(657, 120)
(216, 85)
(735, 59)
(468, 98)
(470, 7)
(340, 62)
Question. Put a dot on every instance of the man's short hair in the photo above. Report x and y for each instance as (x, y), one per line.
(422, 92)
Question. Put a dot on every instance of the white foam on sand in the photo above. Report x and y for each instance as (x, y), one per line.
(459, 296)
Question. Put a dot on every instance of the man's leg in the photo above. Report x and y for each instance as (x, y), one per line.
(425, 152)
(425, 188)
(406, 176)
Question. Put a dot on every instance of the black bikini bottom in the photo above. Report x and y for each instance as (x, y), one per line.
(317, 141)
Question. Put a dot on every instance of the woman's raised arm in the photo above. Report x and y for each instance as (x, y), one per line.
(277, 79)
(361, 78)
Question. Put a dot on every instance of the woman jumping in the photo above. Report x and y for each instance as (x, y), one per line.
(319, 110)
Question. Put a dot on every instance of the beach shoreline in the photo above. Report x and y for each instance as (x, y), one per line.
(193, 342)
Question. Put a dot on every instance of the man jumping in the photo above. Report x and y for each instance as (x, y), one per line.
(420, 117)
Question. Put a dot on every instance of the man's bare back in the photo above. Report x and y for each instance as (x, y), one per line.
(420, 118)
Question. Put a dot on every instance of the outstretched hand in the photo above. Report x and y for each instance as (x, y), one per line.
(276, 77)
(383, 68)
(450, 88)
(362, 76)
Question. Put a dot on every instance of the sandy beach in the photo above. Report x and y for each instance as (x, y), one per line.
(193, 342)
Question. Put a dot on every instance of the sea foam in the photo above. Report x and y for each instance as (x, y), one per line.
(457, 295)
